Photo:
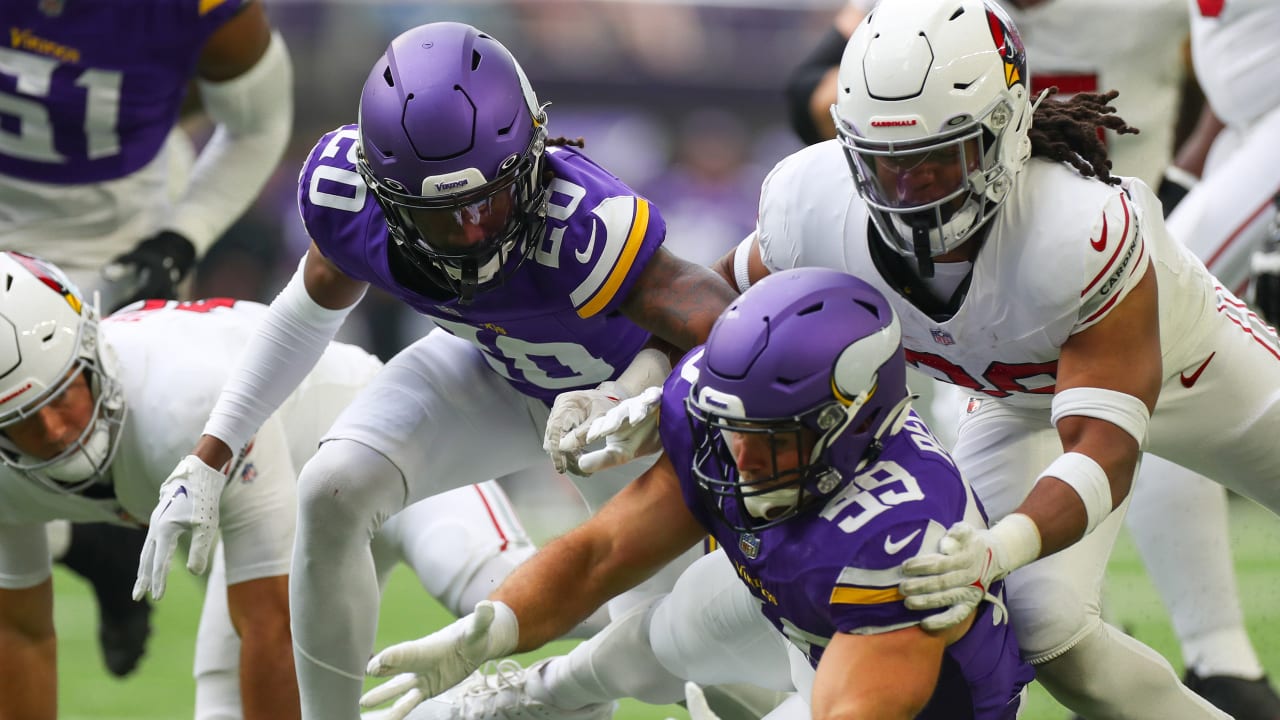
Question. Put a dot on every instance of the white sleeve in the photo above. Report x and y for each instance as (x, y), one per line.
(287, 345)
(253, 114)
(24, 556)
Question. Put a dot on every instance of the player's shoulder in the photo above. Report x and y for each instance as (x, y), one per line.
(599, 234)
(1061, 229)
(332, 197)
(820, 168)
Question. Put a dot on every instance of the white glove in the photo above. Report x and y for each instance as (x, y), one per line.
(630, 430)
(575, 411)
(968, 561)
(572, 411)
(696, 703)
(188, 501)
(437, 662)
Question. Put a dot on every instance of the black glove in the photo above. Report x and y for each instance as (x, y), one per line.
(156, 264)
(1174, 186)
(1266, 274)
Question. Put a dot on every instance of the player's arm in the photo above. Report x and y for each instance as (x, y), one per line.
(811, 87)
(1108, 378)
(677, 300)
(886, 676)
(288, 343)
(245, 81)
(742, 266)
(1113, 370)
(637, 532)
(640, 530)
(28, 654)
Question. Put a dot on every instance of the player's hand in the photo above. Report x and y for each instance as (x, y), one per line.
(629, 430)
(957, 577)
(188, 502)
(574, 410)
(155, 265)
(430, 665)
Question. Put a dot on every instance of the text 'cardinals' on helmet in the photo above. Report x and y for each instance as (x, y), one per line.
(49, 337)
(810, 360)
(933, 112)
(451, 144)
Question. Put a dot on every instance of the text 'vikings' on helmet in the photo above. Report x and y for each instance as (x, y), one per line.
(49, 337)
(451, 145)
(808, 361)
(933, 112)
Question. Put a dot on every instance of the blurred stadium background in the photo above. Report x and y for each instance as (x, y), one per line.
(683, 100)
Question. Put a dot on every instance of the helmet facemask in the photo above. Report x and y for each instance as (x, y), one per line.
(474, 239)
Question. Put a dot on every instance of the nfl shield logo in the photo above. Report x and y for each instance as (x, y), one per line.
(942, 337)
(749, 545)
(50, 8)
(972, 407)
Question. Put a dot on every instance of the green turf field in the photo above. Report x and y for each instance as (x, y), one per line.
(162, 689)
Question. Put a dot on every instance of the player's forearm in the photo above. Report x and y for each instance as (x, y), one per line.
(28, 676)
(558, 588)
(677, 300)
(287, 345)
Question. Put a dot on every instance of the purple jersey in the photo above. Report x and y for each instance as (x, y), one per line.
(554, 324)
(838, 569)
(89, 89)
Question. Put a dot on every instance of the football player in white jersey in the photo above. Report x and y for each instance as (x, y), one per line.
(1033, 285)
(1084, 46)
(95, 171)
(94, 413)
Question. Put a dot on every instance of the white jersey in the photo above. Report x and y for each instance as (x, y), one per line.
(172, 359)
(1099, 45)
(1049, 267)
(1235, 49)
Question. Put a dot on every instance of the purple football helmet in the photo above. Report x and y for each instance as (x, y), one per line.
(809, 359)
(451, 145)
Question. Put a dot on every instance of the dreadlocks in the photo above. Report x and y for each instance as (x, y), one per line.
(1070, 131)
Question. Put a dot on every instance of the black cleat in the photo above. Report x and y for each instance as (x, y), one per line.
(107, 556)
(1240, 698)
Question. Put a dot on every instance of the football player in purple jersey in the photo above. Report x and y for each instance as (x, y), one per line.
(789, 438)
(95, 173)
(543, 272)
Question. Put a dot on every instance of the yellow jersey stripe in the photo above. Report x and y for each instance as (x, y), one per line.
(620, 269)
(845, 595)
(207, 5)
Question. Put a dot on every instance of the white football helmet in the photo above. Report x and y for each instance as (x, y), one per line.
(48, 335)
(933, 113)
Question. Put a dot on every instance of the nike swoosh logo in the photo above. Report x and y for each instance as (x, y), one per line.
(182, 490)
(1189, 380)
(1101, 243)
(585, 255)
(893, 548)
